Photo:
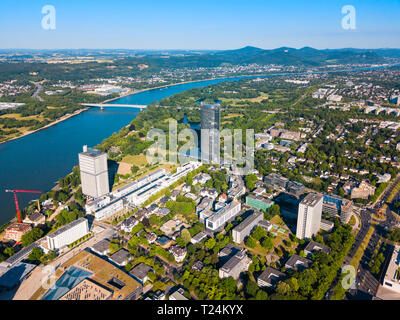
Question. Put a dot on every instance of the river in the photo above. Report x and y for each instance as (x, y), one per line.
(38, 160)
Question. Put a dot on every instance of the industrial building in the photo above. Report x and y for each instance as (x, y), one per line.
(309, 216)
(68, 234)
(94, 172)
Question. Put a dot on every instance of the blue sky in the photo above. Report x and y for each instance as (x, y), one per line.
(201, 24)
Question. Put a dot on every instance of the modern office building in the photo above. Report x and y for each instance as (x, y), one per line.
(210, 132)
(275, 181)
(240, 232)
(258, 202)
(68, 234)
(335, 205)
(295, 188)
(94, 172)
(219, 218)
(309, 216)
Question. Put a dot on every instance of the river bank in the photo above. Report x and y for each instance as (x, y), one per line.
(63, 118)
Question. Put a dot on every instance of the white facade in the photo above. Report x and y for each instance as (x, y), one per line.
(392, 276)
(309, 216)
(219, 218)
(68, 234)
(137, 192)
(94, 172)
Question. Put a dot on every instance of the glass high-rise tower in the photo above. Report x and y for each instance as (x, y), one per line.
(210, 132)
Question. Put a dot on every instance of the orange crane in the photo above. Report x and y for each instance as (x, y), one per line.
(16, 199)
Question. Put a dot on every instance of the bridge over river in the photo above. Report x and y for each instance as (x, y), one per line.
(114, 105)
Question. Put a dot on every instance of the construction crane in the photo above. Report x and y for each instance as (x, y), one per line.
(16, 199)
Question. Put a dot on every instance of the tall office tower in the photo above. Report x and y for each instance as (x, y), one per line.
(309, 216)
(210, 134)
(94, 172)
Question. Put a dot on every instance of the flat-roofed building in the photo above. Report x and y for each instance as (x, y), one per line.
(335, 205)
(273, 180)
(88, 290)
(94, 172)
(178, 295)
(241, 231)
(222, 216)
(140, 272)
(258, 203)
(235, 266)
(68, 234)
(121, 257)
(16, 230)
(198, 237)
(309, 216)
(101, 247)
(295, 188)
(392, 276)
(270, 277)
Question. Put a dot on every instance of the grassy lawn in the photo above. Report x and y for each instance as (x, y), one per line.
(137, 160)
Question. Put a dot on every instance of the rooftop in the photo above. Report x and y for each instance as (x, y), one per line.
(246, 222)
(140, 271)
(311, 199)
(101, 246)
(296, 260)
(88, 290)
(271, 276)
(120, 256)
(67, 227)
(313, 246)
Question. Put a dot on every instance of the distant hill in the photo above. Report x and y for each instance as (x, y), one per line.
(307, 56)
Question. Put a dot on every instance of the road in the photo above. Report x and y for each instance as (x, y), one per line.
(366, 283)
(36, 93)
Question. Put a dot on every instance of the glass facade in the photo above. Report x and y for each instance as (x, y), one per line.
(210, 132)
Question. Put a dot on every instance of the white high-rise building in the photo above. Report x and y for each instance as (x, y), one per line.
(68, 234)
(94, 172)
(309, 216)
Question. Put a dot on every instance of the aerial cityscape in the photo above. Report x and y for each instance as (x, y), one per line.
(241, 168)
